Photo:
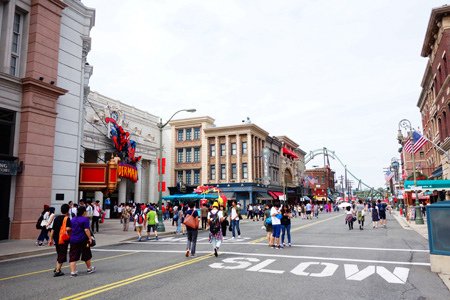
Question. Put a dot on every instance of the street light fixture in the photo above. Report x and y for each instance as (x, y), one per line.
(406, 124)
(160, 226)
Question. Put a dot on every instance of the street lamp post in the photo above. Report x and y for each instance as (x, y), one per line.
(160, 226)
(406, 124)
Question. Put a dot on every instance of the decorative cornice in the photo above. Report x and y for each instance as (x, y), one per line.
(433, 28)
(33, 85)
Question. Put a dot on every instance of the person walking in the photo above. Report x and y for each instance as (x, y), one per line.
(152, 221)
(308, 211)
(192, 232)
(119, 212)
(96, 214)
(59, 236)
(375, 215)
(349, 217)
(268, 224)
(234, 219)
(204, 215)
(139, 220)
(316, 211)
(225, 222)
(276, 216)
(43, 234)
(360, 213)
(80, 242)
(215, 218)
(382, 213)
(286, 225)
(126, 214)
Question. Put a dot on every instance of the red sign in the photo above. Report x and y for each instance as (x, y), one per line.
(163, 186)
(127, 171)
(161, 166)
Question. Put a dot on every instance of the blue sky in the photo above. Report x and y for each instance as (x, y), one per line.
(336, 74)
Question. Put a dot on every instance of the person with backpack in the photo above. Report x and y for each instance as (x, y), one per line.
(192, 232)
(215, 218)
(382, 213)
(268, 224)
(375, 215)
(139, 221)
(59, 235)
(152, 222)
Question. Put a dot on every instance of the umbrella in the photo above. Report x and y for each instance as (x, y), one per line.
(344, 205)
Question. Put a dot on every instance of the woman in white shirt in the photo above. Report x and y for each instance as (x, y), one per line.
(349, 217)
(276, 224)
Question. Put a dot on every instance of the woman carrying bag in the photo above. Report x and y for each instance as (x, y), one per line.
(191, 222)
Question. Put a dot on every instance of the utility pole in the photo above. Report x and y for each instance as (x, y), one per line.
(346, 183)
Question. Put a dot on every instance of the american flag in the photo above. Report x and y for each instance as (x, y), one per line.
(388, 176)
(419, 141)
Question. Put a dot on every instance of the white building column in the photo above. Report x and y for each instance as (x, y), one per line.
(123, 191)
(152, 193)
(138, 186)
(99, 194)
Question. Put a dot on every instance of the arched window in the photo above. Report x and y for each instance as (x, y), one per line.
(441, 133)
(444, 125)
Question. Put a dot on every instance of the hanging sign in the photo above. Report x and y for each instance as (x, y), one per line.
(127, 171)
(8, 167)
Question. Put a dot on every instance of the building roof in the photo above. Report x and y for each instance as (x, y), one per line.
(192, 121)
(237, 128)
(433, 27)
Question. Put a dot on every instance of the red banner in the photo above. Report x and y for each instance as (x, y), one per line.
(163, 186)
(161, 166)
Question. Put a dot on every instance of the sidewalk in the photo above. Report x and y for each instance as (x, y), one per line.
(423, 231)
(110, 233)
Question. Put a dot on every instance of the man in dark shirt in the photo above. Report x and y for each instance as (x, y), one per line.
(61, 248)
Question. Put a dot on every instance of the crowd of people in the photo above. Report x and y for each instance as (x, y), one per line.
(359, 211)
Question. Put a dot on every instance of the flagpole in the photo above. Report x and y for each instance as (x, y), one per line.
(406, 124)
(434, 144)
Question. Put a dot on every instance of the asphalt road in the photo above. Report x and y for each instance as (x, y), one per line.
(326, 261)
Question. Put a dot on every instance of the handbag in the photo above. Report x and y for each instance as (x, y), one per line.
(93, 243)
(230, 228)
(63, 236)
(190, 221)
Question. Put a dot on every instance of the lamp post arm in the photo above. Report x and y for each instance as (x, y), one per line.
(160, 125)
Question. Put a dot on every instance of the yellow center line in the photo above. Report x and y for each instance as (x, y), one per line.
(113, 285)
(48, 270)
(298, 228)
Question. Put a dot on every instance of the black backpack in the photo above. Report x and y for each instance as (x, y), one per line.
(214, 227)
(39, 221)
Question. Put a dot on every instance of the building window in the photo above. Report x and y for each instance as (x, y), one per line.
(180, 135)
(233, 149)
(196, 176)
(188, 134)
(222, 149)
(197, 133)
(212, 172)
(422, 154)
(233, 171)
(179, 176)
(196, 154)
(179, 155)
(244, 147)
(15, 45)
(7, 121)
(223, 172)
(244, 171)
(212, 150)
(188, 154)
(188, 177)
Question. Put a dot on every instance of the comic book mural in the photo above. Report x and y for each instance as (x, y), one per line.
(126, 151)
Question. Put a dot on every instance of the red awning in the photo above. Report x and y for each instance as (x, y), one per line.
(289, 152)
(275, 195)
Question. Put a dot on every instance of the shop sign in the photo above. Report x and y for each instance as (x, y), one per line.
(127, 171)
(8, 167)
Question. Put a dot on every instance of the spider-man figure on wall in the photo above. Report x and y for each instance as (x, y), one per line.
(125, 147)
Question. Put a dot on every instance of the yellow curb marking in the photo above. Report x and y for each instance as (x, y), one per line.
(48, 270)
(113, 285)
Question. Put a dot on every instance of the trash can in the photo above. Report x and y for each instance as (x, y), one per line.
(438, 220)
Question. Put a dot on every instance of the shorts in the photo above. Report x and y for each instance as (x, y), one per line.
(308, 212)
(139, 227)
(151, 227)
(276, 230)
(61, 252)
(268, 227)
(382, 215)
(80, 249)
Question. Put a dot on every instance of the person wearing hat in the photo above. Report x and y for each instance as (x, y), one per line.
(215, 218)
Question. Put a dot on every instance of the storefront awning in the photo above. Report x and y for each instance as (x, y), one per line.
(276, 195)
(428, 185)
(290, 153)
(437, 172)
(261, 196)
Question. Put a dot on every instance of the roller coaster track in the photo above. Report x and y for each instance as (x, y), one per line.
(329, 153)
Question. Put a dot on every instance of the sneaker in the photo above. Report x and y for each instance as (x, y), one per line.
(57, 274)
(232, 238)
(215, 252)
(280, 246)
(73, 274)
(139, 239)
(91, 270)
(239, 236)
(156, 238)
(187, 253)
(289, 245)
(192, 255)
